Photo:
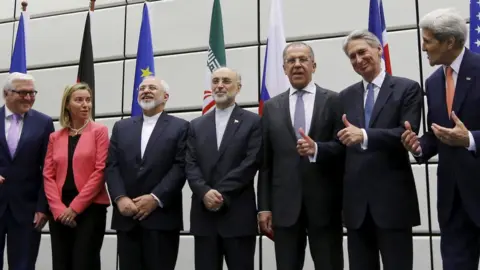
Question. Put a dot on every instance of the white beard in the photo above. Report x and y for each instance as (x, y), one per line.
(148, 105)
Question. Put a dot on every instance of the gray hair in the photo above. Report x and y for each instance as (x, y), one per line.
(14, 77)
(162, 83)
(237, 74)
(298, 44)
(445, 23)
(369, 37)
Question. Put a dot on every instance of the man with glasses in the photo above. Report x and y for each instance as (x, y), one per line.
(24, 142)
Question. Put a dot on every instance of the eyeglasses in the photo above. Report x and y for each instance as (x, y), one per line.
(24, 93)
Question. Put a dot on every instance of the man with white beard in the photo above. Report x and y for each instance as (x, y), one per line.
(145, 174)
(222, 158)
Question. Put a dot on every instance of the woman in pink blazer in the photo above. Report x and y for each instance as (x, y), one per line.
(74, 183)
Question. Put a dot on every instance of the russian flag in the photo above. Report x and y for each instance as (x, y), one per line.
(376, 25)
(274, 80)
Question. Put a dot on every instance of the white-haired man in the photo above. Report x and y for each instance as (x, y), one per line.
(23, 206)
(453, 97)
(145, 176)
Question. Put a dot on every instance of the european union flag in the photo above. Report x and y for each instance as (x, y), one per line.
(19, 56)
(475, 26)
(145, 64)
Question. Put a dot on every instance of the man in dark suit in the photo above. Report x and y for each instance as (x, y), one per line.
(145, 175)
(24, 141)
(453, 97)
(380, 204)
(296, 196)
(222, 160)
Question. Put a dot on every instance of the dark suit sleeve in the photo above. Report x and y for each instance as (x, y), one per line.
(428, 141)
(411, 111)
(174, 180)
(115, 184)
(332, 148)
(194, 175)
(264, 183)
(42, 205)
(242, 175)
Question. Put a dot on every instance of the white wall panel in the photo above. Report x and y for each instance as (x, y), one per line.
(186, 76)
(6, 32)
(57, 40)
(421, 185)
(312, 19)
(51, 83)
(173, 32)
(433, 180)
(55, 7)
(6, 10)
(426, 6)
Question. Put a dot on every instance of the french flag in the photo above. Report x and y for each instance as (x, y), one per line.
(274, 80)
(376, 25)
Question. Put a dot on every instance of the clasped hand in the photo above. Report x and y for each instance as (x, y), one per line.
(213, 200)
(139, 207)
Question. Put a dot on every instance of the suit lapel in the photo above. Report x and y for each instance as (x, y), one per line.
(3, 138)
(385, 91)
(358, 106)
(137, 137)
(210, 142)
(318, 107)
(160, 126)
(232, 126)
(465, 78)
(285, 110)
(27, 129)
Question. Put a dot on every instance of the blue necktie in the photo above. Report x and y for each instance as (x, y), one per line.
(299, 117)
(369, 104)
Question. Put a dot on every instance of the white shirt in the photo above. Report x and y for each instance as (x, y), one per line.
(8, 122)
(455, 65)
(377, 84)
(221, 120)
(148, 125)
(309, 102)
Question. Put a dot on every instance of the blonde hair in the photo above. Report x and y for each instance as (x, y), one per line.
(65, 120)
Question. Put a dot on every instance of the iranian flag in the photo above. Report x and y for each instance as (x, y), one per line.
(216, 54)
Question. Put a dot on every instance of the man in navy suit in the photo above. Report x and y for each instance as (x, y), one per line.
(453, 98)
(24, 141)
(145, 175)
(222, 160)
(380, 204)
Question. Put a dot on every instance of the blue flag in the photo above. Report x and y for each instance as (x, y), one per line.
(475, 26)
(145, 64)
(19, 56)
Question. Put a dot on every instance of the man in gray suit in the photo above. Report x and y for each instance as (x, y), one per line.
(294, 194)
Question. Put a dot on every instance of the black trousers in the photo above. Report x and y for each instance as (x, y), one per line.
(394, 245)
(142, 249)
(460, 239)
(326, 245)
(239, 252)
(22, 242)
(79, 248)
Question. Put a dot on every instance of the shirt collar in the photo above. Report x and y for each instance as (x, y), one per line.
(9, 113)
(378, 81)
(152, 118)
(227, 110)
(456, 63)
(310, 88)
